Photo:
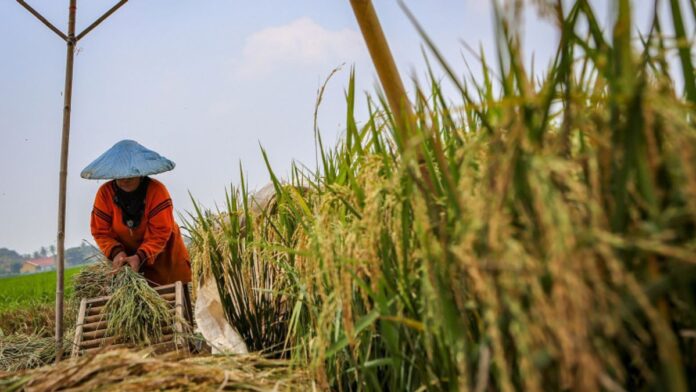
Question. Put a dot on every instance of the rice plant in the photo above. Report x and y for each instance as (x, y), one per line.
(250, 279)
(537, 235)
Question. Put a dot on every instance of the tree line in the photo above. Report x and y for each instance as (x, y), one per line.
(11, 261)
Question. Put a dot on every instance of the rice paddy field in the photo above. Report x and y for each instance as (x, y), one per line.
(533, 232)
(20, 290)
(27, 303)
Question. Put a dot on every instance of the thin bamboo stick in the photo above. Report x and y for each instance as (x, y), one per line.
(63, 176)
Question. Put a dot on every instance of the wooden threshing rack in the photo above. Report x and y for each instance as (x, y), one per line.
(91, 336)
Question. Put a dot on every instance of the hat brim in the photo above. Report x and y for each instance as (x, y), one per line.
(126, 159)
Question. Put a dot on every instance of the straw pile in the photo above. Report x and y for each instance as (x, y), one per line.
(32, 319)
(122, 370)
(94, 280)
(20, 351)
(135, 312)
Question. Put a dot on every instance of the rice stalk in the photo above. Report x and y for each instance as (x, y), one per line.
(21, 351)
(250, 278)
(94, 280)
(121, 370)
(135, 312)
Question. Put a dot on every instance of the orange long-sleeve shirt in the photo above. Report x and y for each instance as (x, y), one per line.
(157, 239)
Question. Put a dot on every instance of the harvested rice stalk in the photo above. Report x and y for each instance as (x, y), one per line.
(94, 280)
(20, 351)
(35, 318)
(135, 312)
(121, 370)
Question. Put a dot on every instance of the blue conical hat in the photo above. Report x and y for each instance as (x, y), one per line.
(126, 159)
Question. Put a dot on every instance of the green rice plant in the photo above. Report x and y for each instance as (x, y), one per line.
(25, 290)
(250, 278)
(135, 312)
(533, 236)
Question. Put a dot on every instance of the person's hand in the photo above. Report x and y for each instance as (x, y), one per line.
(133, 262)
(119, 260)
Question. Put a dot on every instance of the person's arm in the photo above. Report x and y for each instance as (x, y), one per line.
(160, 223)
(100, 225)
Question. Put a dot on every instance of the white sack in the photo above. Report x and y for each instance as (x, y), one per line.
(211, 321)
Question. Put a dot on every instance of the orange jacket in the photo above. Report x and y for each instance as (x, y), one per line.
(157, 239)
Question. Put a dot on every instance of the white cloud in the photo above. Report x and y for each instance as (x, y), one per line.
(301, 42)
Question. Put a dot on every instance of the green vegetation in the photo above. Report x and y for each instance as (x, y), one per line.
(537, 235)
(23, 290)
(27, 305)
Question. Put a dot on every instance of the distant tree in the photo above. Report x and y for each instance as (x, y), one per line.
(52, 249)
(35, 255)
(10, 261)
(43, 252)
(80, 255)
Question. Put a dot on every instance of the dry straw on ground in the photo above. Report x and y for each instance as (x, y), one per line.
(122, 370)
(20, 351)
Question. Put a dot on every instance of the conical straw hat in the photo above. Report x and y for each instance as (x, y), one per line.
(126, 159)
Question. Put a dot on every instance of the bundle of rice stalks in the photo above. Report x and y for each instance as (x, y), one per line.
(94, 280)
(121, 370)
(250, 275)
(135, 312)
(20, 351)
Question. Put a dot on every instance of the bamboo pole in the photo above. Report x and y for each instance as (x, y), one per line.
(101, 19)
(391, 82)
(386, 67)
(71, 40)
(63, 177)
(42, 19)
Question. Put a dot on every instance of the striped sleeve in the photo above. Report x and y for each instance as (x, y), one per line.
(159, 208)
(160, 223)
(102, 215)
(101, 224)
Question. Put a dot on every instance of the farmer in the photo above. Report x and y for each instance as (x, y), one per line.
(132, 219)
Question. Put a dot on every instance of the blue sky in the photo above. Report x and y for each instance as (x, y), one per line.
(203, 83)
